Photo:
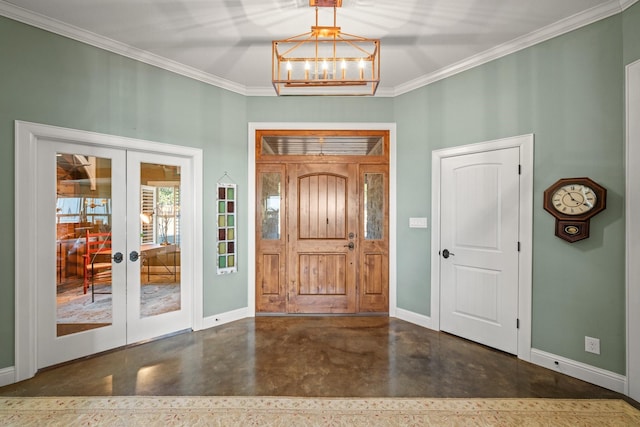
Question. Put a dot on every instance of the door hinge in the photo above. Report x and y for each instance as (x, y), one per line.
(517, 323)
(519, 169)
(518, 246)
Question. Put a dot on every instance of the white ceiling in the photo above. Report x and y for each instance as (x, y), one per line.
(228, 42)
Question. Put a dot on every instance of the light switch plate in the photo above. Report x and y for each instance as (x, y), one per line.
(417, 222)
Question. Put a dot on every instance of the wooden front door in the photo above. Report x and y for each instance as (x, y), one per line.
(323, 217)
(322, 222)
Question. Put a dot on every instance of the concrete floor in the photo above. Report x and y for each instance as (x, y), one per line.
(308, 356)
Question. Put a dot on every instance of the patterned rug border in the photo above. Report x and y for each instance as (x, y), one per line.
(319, 411)
(340, 403)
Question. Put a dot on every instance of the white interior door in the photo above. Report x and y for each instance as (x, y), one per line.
(79, 197)
(109, 265)
(479, 247)
(159, 290)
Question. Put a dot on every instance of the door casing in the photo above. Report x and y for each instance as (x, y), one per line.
(251, 194)
(27, 136)
(632, 197)
(525, 144)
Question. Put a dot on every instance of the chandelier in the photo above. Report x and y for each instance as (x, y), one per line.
(326, 61)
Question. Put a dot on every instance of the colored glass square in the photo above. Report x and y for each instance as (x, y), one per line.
(221, 221)
(231, 193)
(230, 220)
(231, 260)
(231, 233)
(221, 207)
(231, 247)
(222, 262)
(222, 234)
(230, 207)
(222, 193)
(222, 248)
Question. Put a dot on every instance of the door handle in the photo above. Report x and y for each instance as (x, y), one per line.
(351, 245)
(118, 257)
(133, 256)
(446, 254)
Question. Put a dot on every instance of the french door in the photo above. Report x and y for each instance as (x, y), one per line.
(108, 263)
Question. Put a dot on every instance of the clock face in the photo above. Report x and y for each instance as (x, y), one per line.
(574, 199)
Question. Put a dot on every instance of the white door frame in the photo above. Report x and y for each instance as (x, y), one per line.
(251, 198)
(632, 214)
(27, 136)
(525, 144)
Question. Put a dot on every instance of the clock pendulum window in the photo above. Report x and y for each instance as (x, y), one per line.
(573, 202)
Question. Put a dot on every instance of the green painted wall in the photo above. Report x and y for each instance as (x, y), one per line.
(568, 91)
(631, 34)
(49, 79)
(319, 109)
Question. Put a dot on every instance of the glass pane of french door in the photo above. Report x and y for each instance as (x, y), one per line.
(83, 243)
(159, 239)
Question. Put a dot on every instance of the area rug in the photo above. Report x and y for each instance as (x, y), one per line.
(302, 412)
(76, 307)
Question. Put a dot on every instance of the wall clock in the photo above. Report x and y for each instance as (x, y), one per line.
(573, 202)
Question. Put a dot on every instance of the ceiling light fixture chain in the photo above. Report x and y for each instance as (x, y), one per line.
(326, 61)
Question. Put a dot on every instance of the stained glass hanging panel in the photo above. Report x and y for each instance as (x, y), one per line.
(226, 212)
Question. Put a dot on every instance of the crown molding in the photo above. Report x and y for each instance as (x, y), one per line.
(57, 27)
(626, 4)
(556, 29)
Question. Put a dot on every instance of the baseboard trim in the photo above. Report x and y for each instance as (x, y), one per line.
(7, 376)
(415, 318)
(591, 374)
(223, 318)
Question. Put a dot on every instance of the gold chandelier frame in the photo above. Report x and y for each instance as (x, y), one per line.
(326, 61)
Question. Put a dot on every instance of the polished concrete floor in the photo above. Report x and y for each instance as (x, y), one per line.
(308, 356)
